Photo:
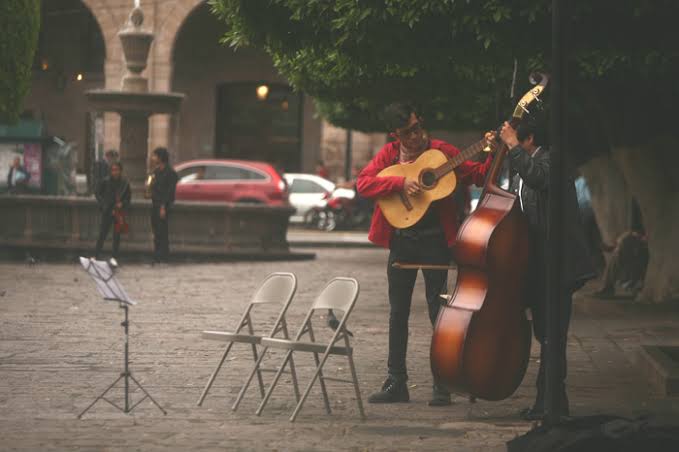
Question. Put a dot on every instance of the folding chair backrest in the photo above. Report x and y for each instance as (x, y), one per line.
(339, 294)
(276, 288)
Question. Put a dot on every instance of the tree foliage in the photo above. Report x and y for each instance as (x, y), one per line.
(20, 24)
(455, 58)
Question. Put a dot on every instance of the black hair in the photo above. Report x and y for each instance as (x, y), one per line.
(162, 154)
(397, 115)
(530, 127)
(112, 153)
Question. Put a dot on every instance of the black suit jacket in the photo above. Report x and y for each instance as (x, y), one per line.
(576, 264)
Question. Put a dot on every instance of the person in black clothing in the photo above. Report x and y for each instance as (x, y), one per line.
(529, 164)
(113, 192)
(17, 177)
(162, 197)
(102, 168)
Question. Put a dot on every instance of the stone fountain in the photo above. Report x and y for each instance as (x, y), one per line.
(133, 101)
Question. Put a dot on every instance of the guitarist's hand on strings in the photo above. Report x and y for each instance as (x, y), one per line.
(411, 187)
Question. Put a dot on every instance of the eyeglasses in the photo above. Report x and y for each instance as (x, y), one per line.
(409, 131)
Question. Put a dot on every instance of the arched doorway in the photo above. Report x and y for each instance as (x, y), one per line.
(69, 61)
(222, 115)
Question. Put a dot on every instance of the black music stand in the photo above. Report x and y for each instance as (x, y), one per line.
(111, 290)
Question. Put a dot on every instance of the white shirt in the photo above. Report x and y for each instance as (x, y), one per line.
(521, 180)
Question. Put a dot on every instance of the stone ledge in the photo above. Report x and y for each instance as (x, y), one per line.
(69, 224)
(660, 364)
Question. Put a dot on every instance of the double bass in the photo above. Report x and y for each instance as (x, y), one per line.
(482, 337)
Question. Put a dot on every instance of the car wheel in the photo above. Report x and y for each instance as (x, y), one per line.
(328, 223)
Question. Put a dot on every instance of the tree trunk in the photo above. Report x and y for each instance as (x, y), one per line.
(651, 175)
(611, 198)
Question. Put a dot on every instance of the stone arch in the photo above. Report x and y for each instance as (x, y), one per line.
(170, 26)
(108, 24)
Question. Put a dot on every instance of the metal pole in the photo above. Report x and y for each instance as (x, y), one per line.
(127, 371)
(347, 157)
(555, 243)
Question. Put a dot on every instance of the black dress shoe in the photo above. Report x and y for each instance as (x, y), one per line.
(394, 390)
(440, 396)
(532, 414)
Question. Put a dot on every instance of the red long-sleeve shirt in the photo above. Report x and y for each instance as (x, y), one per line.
(371, 186)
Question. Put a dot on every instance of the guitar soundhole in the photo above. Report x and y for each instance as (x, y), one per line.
(428, 179)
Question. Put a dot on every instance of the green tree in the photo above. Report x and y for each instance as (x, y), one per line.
(455, 58)
(20, 24)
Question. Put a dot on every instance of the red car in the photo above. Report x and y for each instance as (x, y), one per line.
(232, 181)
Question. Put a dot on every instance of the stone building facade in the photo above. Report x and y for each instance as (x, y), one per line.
(79, 50)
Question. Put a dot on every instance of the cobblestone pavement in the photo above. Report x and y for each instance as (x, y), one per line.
(60, 346)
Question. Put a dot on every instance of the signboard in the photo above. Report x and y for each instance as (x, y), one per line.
(31, 158)
(33, 164)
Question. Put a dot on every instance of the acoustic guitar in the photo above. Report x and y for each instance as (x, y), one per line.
(434, 171)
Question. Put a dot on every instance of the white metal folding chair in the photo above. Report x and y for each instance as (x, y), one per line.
(277, 288)
(340, 294)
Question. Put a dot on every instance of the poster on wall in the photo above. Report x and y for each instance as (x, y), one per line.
(30, 155)
(8, 151)
(33, 164)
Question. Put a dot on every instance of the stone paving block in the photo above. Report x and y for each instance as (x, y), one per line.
(60, 346)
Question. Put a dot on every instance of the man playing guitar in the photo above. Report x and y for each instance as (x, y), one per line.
(429, 241)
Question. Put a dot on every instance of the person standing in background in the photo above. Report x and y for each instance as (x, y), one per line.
(163, 185)
(113, 195)
(17, 177)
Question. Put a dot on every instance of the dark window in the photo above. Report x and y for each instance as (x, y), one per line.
(265, 128)
(225, 172)
(191, 174)
(305, 186)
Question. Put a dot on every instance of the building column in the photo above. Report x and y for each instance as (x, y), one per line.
(134, 129)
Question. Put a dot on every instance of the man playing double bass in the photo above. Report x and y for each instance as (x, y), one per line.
(426, 242)
(529, 165)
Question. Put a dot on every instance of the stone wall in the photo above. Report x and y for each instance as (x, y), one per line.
(211, 229)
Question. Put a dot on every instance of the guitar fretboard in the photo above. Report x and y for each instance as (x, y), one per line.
(463, 156)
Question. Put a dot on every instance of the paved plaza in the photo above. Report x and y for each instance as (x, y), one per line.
(60, 347)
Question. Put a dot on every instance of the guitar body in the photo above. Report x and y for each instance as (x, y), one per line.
(393, 207)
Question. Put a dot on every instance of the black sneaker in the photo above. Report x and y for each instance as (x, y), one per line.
(440, 396)
(393, 390)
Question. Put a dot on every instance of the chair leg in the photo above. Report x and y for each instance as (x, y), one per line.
(295, 385)
(358, 391)
(324, 391)
(246, 385)
(319, 372)
(288, 355)
(214, 374)
(259, 372)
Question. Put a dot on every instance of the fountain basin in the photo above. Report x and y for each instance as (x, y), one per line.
(138, 102)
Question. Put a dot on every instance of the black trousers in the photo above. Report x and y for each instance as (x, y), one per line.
(161, 239)
(107, 220)
(538, 305)
(419, 249)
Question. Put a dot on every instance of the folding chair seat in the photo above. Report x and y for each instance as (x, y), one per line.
(277, 288)
(340, 294)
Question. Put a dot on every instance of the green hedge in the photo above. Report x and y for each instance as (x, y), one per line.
(19, 27)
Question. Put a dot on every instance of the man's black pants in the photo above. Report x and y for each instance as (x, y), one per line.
(161, 240)
(107, 220)
(428, 247)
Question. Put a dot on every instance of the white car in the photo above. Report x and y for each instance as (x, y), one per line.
(306, 191)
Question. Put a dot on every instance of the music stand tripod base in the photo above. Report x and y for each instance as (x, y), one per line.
(111, 290)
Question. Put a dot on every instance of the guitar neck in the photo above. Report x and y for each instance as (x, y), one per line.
(468, 153)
